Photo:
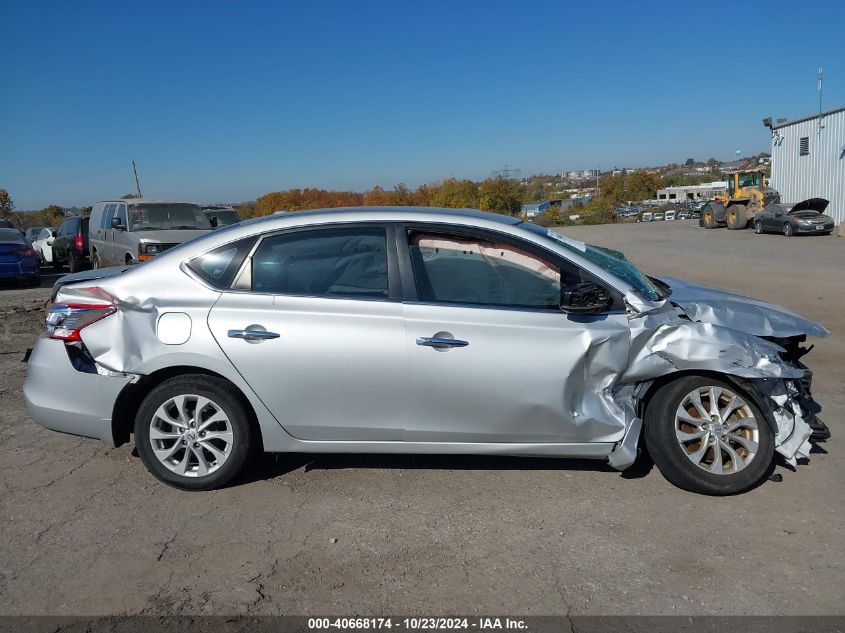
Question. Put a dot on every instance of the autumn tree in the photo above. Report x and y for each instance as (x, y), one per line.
(51, 215)
(500, 195)
(7, 205)
(456, 194)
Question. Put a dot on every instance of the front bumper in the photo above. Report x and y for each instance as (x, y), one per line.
(811, 228)
(64, 399)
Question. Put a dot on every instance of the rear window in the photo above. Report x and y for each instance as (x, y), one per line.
(219, 266)
(11, 235)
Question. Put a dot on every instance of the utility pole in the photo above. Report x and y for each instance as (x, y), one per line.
(137, 183)
(821, 83)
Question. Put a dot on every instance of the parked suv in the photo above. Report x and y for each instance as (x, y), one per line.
(71, 244)
(135, 230)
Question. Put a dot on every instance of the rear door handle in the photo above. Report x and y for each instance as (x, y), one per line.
(252, 335)
(436, 341)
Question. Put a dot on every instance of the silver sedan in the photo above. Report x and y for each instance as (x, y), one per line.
(417, 330)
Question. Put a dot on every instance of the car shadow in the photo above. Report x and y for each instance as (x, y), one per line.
(270, 466)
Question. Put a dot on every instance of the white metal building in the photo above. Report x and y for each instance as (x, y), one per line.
(808, 159)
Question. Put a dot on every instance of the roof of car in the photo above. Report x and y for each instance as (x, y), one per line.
(410, 212)
(145, 201)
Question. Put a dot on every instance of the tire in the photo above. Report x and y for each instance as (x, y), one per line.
(787, 229)
(708, 218)
(57, 265)
(34, 281)
(676, 457)
(736, 217)
(95, 261)
(758, 227)
(234, 443)
(73, 263)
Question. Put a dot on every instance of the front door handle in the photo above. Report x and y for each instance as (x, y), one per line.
(436, 341)
(252, 335)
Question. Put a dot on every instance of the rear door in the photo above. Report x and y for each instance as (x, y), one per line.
(315, 326)
(491, 356)
(60, 244)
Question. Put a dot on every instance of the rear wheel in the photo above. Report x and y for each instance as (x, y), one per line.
(95, 262)
(73, 263)
(787, 229)
(57, 265)
(736, 217)
(758, 227)
(708, 218)
(194, 432)
(706, 436)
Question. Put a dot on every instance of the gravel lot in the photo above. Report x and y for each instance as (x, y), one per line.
(85, 529)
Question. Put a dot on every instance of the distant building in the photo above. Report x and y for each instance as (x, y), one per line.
(706, 191)
(808, 159)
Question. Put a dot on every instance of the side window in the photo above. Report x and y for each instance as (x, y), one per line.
(63, 228)
(343, 262)
(455, 268)
(219, 266)
(108, 214)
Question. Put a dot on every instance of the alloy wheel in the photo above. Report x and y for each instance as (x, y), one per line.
(191, 435)
(717, 430)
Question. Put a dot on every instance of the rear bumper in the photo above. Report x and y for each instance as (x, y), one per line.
(25, 268)
(60, 398)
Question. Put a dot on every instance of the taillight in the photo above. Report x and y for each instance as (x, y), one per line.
(65, 320)
(24, 250)
(77, 242)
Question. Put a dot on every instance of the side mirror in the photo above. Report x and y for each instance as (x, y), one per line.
(213, 221)
(584, 298)
(115, 224)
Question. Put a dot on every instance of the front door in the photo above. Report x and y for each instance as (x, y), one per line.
(492, 358)
(318, 335)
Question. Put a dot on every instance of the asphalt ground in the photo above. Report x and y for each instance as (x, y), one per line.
(86, 530)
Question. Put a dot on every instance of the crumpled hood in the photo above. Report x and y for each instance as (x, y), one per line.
(739, 312)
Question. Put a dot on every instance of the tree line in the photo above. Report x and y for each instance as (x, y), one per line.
(497, 195)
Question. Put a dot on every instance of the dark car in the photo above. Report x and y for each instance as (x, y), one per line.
(17, 259)
(806, 217)
(6, 224)
(71, 244)
(221, 216)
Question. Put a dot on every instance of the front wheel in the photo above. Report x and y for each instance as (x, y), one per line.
(194, 432)
(758, 227)
(708, 218)
(706, 436)
(787, 229)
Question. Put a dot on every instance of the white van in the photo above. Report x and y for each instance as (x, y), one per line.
(134, 230)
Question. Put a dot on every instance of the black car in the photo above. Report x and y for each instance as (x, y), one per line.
(803, 218)
(71, 244)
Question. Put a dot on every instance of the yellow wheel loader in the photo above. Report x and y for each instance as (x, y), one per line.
(748, 193)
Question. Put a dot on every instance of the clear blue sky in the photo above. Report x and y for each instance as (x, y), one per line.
(224, 101)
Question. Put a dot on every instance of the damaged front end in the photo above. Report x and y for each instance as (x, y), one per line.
(755, 345)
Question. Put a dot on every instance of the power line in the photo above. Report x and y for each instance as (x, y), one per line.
(51, 182)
